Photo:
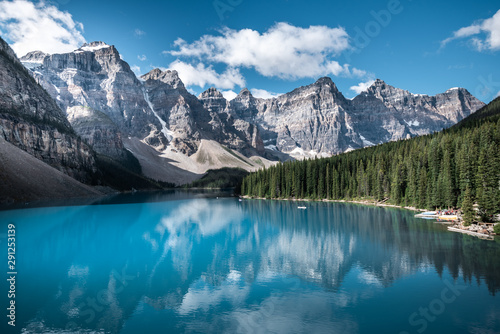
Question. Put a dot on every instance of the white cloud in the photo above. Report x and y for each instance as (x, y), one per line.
(362, 86)
(139, 33)
(462, 33)
(263, 94)
(467, 31)
(28, 27)
(283, 51)
(229, 94)
(142, 57)
(358, 73)
(490, 27)
(136, 69)
(201, 75)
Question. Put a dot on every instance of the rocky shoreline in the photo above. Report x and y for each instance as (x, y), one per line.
(480, 229)
(364, 202)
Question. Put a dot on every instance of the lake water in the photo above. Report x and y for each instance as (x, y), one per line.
(176, 263)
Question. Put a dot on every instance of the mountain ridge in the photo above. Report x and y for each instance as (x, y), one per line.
(158, 110)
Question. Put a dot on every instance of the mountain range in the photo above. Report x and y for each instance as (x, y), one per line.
(65, 108)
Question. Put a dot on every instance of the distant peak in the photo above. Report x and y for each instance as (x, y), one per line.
(35, 53)
(245, 91)
(324, 80)
(170, 77)
(244, 94)
(93, 46)
(380, 85)
(34, 56)
(153, 74)
(212, 92)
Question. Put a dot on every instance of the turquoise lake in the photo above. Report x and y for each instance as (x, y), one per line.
(187, 262)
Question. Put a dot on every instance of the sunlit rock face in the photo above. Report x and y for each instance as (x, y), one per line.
(399, 114)
(156, 108)
(313, 120)
(318, 120)
(94, 77)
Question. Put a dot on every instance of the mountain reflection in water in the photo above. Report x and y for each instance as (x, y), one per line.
(220, 265)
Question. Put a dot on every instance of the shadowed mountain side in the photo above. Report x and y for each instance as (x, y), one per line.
(25, 178)
(31, 120)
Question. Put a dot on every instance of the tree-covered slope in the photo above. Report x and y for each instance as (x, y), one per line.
(426, 172)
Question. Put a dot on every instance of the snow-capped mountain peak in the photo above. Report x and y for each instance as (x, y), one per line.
(93, 46)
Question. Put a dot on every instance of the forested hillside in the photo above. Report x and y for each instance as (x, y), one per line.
(438, 170)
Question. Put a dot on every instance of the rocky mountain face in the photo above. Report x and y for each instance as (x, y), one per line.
(32, 121)
(95, 78)
(308, 121)
(384, 113)
(234, 132)
(108, 105)
(318, 120)
(158, 110)
(188, 119)
(97, 130)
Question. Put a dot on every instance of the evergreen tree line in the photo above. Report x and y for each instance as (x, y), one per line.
(447, 169)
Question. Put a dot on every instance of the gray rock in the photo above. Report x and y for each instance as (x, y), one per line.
(32, 121)
(312, 120)
(318, 119)
(97, 130)
(94, 76)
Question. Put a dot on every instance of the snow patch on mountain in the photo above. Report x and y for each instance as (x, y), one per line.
(271, 147)
(366, 142)
(92, 47)
(32, 65)
(164, 129)
(413, 123)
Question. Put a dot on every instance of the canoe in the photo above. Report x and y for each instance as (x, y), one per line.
(428, 213)
(301, 207)
(449, 217)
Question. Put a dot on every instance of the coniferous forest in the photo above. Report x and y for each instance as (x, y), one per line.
(453, 168)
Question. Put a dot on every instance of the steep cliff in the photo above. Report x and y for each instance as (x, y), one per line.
(32, 121)
(383, 113)
(112, 109)
(188, 119)
(318, 120)
(97, 130)
(94, 76)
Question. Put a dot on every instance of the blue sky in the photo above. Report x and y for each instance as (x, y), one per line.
(422, 46)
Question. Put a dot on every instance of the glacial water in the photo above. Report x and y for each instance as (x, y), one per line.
(191, 263)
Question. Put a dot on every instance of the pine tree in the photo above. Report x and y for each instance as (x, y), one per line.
(273, 183)
(321, 186)
(448, 168)
(328, 182)
(422, 189)
(468, 207)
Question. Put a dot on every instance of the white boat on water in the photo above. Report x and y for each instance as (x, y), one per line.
(428, 213)
(301, 207)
